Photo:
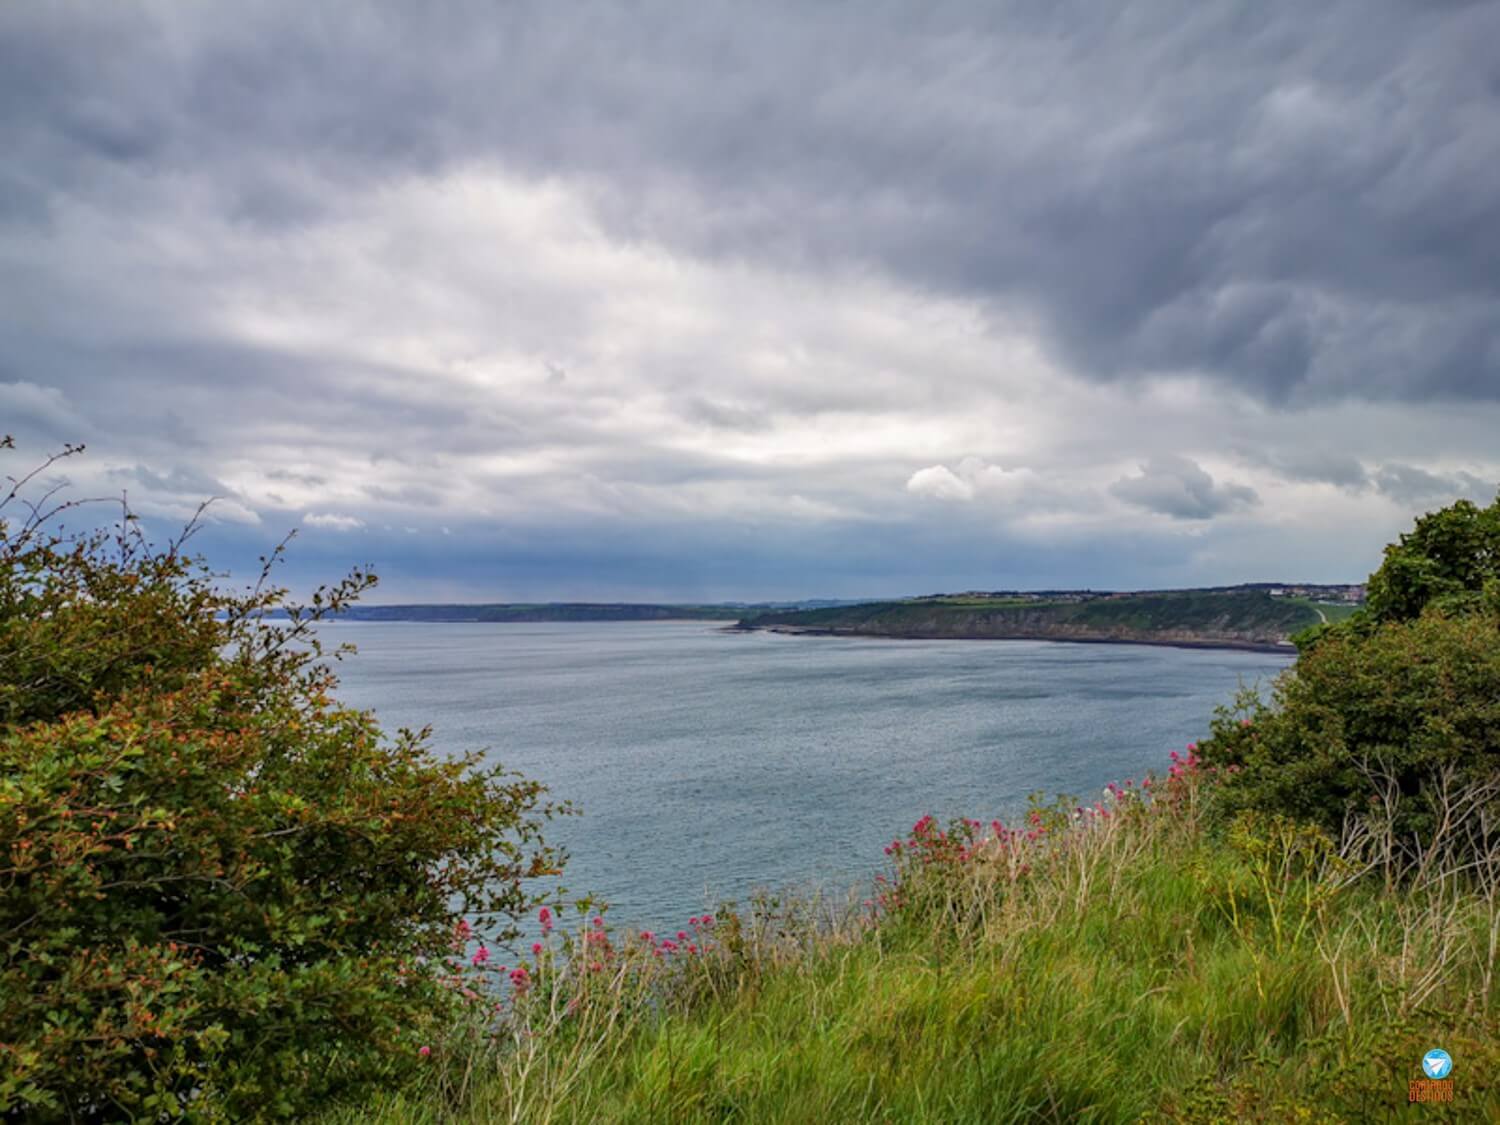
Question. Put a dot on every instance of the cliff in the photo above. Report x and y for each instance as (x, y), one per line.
(1234, 619)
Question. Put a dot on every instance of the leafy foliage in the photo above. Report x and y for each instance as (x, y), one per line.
(222, 895)
(1405, 695)
(1450, 561)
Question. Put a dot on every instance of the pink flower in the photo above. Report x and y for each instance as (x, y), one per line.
(598, 922)
(647, 935)
(481, 955)
(708, 920)
(545, 917)
(464, 929)
(682, 935)
(536, 949)
(424, 1051)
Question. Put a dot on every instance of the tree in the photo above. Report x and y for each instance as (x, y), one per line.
(1408, 691)
(1450, 560)
(221, 893)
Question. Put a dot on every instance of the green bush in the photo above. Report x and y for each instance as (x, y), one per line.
(222, 895)
(1450, 560)
(1402, 700)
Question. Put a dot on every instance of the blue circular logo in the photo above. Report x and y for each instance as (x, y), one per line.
(1437, 1063)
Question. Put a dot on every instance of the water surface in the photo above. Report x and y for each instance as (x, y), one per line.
(710, 763)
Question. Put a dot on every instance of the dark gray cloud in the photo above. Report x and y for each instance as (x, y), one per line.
(1411, 485)
(1180, 488)
(1295, 200)
(802, 269)
(1315, 467)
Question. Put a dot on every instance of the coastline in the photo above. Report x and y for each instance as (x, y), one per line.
(1226, 643)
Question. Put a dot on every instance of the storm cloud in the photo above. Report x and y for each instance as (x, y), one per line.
(996, 277)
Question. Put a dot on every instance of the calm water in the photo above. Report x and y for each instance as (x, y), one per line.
(709, 764)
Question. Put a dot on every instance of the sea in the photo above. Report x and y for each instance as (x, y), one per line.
(710, 764)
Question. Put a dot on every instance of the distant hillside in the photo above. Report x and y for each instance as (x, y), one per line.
(556, 611)
(1238, 618)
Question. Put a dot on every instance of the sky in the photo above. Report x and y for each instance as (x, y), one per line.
(710, 301)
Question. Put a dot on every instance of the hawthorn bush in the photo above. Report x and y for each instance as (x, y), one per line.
(222, 895)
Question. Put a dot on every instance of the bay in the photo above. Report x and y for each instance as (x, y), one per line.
(711, 763)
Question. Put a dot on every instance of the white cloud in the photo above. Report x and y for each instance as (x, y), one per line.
(941, 483)
(333, 521)
(974, 478)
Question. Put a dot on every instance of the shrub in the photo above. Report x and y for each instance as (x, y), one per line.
(1449, 560)
(1400, 700)
(222, 895)
(1405, 702)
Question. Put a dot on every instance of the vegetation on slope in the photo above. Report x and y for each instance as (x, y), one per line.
(222, 895)
(1250, 616)
(1118, 963)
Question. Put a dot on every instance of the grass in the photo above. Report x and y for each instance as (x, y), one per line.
(1130, 962)
(1331, 612)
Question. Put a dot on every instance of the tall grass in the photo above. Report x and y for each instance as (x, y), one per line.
(1123, 962)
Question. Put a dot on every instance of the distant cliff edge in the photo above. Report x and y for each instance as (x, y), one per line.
(1251, 618)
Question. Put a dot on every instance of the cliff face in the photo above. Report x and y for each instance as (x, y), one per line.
(1237, 619)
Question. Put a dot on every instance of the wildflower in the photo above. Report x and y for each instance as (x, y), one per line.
(544, 916)
(536, 949)
(682, 935)
(598, 922)
(647, 935)
(692, 948)
(424, 1051)
(708, 921)
(481, 955)
(464, 929)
